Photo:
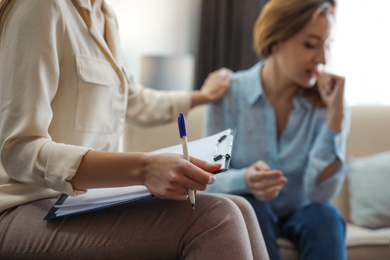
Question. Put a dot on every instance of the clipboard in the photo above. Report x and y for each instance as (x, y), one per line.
(214, 149)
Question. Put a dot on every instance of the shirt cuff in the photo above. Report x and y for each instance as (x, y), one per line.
(63, 163)
(231, 181)
(328, 145)
(181, 101)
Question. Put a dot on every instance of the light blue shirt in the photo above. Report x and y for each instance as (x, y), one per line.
(304, 149)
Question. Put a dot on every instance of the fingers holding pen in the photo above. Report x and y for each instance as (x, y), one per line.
(198, 174)
(169, 176)
(207, 170)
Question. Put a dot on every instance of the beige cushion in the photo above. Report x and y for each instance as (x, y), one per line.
(359, 236)
(287, 249)
(364, 243)
(369, 192)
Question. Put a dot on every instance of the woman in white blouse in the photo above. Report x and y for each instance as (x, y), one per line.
(65, 97)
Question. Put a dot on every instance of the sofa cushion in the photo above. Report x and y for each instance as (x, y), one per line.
(369, 192)
(359, 236)
(362, 244)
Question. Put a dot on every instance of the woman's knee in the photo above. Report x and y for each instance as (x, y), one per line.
(221, 223)
(323, 214)
(242, 203)
(222, 206)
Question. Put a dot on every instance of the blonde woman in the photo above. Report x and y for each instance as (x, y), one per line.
(292, 124)
(65, 97)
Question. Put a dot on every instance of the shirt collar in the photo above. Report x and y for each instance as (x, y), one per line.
(301, 102)
(86, 4)
(255, 88)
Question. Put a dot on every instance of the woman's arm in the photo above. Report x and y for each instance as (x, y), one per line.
(165, 175)
(326, 166)
(148, 107)
(30, 56)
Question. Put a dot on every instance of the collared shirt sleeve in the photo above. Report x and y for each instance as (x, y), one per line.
(231, 181)
(29, 81)
(147, 107)
(328, 146)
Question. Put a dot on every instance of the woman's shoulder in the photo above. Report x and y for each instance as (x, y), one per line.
(37, 13)
(247, 82)
(41, 5)
(248, 74)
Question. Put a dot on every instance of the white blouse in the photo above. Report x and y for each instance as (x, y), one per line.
(64, 91)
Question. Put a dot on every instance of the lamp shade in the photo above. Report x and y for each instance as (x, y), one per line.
(167, 72)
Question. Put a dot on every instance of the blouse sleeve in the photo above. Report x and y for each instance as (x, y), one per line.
(147, 107)
(328, 146)
(30, 54)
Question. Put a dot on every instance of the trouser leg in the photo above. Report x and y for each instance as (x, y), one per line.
(268, 224)
(318, 232)
(258, 246)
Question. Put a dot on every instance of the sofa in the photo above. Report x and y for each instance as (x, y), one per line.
(368, 230)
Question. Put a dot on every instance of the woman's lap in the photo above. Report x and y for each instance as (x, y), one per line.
(146, 229)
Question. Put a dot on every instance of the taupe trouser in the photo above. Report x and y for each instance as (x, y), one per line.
(148, 229)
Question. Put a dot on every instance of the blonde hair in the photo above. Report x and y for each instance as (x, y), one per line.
(5, 7)
(280, 20)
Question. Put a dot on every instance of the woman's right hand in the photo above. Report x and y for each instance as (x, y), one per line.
(264, 183)
(169, 176)
(331, 88)
(214, 87)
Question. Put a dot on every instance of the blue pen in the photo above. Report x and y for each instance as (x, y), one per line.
(183, 135)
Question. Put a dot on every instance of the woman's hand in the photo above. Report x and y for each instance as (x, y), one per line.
(165, 175)
(215, 87)
(264, 183)
(169, 176)
(331, 88)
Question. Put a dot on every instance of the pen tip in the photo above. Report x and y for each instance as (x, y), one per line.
(193, 205)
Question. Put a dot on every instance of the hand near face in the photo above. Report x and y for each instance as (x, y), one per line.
(331, 88)
(264, 183)
(169, 176)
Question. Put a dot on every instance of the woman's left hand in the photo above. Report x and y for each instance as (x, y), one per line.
(331, 88)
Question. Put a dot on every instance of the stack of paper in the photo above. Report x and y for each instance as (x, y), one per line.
(97, 199)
